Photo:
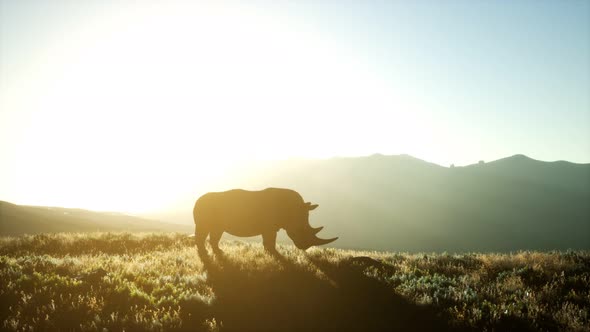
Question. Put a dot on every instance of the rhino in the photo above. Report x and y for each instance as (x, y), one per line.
(246, 213)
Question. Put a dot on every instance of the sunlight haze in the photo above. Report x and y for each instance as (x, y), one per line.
(129, 105)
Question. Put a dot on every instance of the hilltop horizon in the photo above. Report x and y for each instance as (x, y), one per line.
(408, 155)
(517, 156)
(513, 157)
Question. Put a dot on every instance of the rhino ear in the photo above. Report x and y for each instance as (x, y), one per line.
(311, 206)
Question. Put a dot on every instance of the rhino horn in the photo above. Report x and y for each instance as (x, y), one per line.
(310, 206)
(319, 242)
(317, 230)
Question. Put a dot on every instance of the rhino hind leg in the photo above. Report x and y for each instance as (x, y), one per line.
(200, 236)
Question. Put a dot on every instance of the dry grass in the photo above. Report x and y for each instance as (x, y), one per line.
(156, 282)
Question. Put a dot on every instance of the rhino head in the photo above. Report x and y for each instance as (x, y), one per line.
(301, 232)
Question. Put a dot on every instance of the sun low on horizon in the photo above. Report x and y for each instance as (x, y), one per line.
(128, 106)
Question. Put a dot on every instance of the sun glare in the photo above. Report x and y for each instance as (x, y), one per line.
(144, 102)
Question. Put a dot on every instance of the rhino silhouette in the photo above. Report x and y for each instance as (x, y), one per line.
(249, 213)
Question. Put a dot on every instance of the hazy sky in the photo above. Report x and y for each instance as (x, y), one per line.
(116, 105)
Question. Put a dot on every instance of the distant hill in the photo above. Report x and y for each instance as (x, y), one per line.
(18, 219)
(404, 203)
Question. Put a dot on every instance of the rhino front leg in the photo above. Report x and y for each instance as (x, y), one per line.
(269, 240)
(214, 238)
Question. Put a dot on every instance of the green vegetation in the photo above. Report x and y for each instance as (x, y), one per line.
(156, 282)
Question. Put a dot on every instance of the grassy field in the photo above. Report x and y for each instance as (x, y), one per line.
(157, 282)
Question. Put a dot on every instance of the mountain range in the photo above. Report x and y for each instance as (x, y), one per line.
(394, 202)
(406, 204)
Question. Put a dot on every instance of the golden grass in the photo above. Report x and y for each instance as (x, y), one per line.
(157, 282)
